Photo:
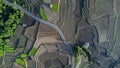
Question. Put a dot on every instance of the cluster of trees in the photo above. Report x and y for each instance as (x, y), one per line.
(9, 19)
(21, 3)
(80, 50)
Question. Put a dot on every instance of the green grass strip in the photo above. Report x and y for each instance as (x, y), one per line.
(42, 14)
(20, 62)
(24, 56)
(8, 48)
(33, 51)
(1, 53)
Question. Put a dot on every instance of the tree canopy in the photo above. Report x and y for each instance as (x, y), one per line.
(9, 19)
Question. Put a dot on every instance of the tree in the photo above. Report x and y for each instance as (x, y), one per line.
(10, 18)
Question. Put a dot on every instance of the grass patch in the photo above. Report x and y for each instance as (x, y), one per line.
(4, 49)
(42, 14)
(24, 56)
(20, 61)
(33, 51)
(1, 53)
(55, 7)
(8, 48)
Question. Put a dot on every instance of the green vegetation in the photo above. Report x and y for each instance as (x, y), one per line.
(80, 50)
(76, 61)
(55, 7)
(33, 51)
(42, 14)
(77, 52)
(24, 56)
(1, 53)
(9, 19)
(21, 3)
(20, 61)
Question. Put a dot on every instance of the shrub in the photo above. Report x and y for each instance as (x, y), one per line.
(55, 7)
(20, 61)
(42, 14)
(33, 51)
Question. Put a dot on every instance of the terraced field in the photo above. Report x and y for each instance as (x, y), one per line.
(25, 33)
(106, 20)
(24, 38)
(99, 26)
(94, 21)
